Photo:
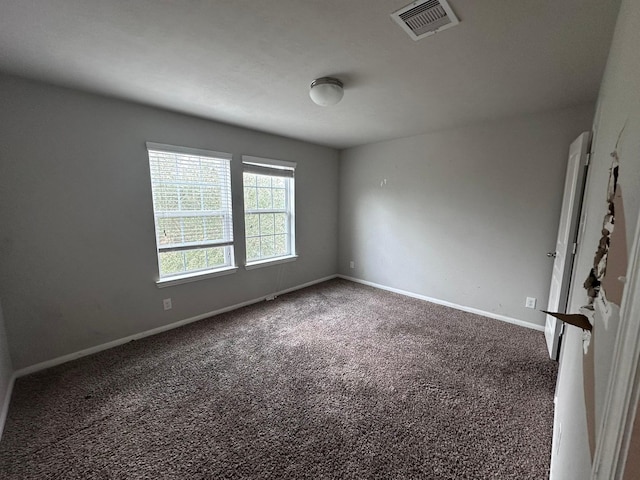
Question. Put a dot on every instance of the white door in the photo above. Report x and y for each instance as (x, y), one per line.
(565, 245)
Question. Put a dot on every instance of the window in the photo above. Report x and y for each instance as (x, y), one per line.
(192, 210)
(268, 210)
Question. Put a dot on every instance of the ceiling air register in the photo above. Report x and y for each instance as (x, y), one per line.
(423, 18)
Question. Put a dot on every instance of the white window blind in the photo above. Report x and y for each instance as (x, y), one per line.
(269, 208)
(192, 208)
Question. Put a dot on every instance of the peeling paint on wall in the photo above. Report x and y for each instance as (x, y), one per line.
(593, 282)
(604, 284)
(612, 248)
(617, 258)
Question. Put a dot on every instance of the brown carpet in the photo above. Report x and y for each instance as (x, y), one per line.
(338, 380)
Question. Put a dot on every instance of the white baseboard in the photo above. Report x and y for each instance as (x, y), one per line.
(4, 411)
(105, 346)
(495, 316)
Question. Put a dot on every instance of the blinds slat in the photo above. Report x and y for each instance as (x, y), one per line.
(164, 149)
(180, 248)
(265, 170)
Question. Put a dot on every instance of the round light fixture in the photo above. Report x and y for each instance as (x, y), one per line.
(326, 91)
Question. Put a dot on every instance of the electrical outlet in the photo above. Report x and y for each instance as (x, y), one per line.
(352, 264)
(530, 303)
(166, 303)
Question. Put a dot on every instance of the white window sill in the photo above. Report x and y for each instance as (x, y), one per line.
(195, 276)
(270, 261)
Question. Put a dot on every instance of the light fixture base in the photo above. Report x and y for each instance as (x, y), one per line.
(326, 91)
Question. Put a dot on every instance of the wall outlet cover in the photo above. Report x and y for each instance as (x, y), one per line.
(530, 303)
(166, 303)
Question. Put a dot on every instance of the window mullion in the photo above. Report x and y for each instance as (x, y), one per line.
(279, 210)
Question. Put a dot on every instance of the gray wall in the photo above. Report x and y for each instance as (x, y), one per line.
(618, 105)
(77, 246)
(466, 215)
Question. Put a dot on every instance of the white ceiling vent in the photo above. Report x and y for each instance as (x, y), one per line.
(425, 17)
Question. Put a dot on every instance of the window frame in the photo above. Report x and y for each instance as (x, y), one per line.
(252, 164)
(226, 210)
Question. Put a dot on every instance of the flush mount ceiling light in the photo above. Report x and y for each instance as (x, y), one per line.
(326, 91)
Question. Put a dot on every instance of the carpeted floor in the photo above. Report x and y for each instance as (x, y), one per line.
(338, 380)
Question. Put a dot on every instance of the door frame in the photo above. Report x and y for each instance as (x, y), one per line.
(575, 219)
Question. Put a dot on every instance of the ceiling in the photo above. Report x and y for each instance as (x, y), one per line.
(250, 62)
